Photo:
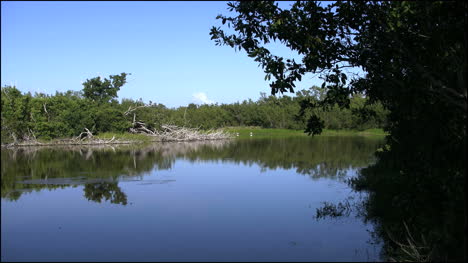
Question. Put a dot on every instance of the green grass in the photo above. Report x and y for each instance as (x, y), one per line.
(244, 132)
(137, 138)
(124, 137)
(368, 132)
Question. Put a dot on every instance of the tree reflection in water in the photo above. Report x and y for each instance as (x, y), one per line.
(417, 224)
(105, 191)
(100, 168)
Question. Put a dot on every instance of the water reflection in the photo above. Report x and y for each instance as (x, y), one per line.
(105, 191)
(100, 168)
(184, 201)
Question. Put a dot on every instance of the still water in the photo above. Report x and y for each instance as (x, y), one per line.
(240, 200)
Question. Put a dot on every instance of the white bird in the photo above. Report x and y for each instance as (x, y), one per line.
(251, 134)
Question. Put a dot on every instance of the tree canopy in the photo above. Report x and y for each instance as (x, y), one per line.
(413, 58)
(405, 48)
(40, 116)
(104, 90)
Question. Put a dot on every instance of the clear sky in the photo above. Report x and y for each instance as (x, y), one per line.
(166, 46)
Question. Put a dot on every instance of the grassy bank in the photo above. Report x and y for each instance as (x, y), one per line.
(100, 139)
(124, 137)
(244, 132)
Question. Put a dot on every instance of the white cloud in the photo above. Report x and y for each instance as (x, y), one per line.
(201, 97)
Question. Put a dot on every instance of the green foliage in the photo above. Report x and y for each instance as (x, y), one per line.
(104, 90)
(384, 38)
(413, 55)
(258, 132)
(15, 113)
(67, 114)
(52, 129)
(314, 125)
(109, 118)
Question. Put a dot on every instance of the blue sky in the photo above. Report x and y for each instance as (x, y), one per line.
(166, 46)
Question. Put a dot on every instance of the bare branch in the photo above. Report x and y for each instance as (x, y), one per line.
(130, 109)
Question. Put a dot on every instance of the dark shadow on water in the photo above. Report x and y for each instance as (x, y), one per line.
(416, 220)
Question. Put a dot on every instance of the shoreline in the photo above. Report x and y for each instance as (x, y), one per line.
(243, 132)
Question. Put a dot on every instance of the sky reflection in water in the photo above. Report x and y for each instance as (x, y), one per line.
(240, 200)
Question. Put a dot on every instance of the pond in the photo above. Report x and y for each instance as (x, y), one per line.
(240, 200)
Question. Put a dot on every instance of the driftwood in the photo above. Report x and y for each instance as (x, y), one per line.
(87, 135)
(140, 127)
(27, 139)
(85, 138)
(84, 135)
(175, 133)
(172, 132)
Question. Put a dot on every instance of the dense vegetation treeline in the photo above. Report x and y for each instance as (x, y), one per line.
(66, 114)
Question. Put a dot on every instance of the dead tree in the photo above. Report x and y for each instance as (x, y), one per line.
(140, 127)
(84, 135)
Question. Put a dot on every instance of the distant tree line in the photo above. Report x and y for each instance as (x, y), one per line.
(66, 114)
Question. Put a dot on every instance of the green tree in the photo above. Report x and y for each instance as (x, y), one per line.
(104, 90)
(413, 55)
(383, 38)
(15, 114)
